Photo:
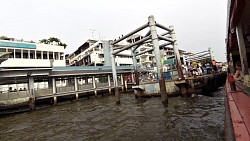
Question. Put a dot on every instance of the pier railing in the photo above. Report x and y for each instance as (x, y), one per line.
(43, 92)
(65, 89)
(5, 95)
(85, 86)
(98, 85)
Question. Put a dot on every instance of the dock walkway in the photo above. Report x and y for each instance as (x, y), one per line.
(239, 107)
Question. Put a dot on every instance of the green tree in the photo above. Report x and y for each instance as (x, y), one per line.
(53, 40)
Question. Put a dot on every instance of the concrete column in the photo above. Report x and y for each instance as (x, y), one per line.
(164, 96)
(242, 49)
(47, 54)
(122, 83)
(31, 85)
(54, 55)
(94, 85)
(136, 78)
(35, 55)
(117, 94)
(41, 54)
(31, 90)
(126, 83)
(53, 85)
(54, 90)
(132, 77)
(109, 84)
(28, 54)
(76, 87)
(14, 53)
(177, 54)
(21, 53)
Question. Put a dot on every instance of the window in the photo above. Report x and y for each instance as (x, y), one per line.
(32, 54)
(25, 54)
(61, 56)
(38, 55)
(18, 53)
(45, 56)
(50, 55)
(56, 56)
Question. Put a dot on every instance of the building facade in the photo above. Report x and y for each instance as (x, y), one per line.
(96, 53)
(36, 55)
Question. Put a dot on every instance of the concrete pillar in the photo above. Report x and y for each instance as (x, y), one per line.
(136, 78)
(109, 84)
(31, 90)
(53, 85)
(28, 54)
(14, 53)
(125, 79)
(76, 87)
(164, 96)
(41, 54)
(117, 94)
(31, 85)
(94, 85)
(133, 78)
(54, 90)
(122, 83)
(35, 55)
(177, 54)
(47, 54)
(242, 49)
(21, 53)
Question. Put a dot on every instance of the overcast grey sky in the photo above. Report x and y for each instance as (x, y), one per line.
(199, 24)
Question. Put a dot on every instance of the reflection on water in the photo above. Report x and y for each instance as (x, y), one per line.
(195, 118)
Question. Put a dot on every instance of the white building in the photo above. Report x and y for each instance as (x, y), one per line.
(94, 53)
(38, 55)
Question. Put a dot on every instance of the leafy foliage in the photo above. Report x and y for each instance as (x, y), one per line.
(53, 40)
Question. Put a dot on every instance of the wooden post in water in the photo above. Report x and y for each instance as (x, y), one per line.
(152, 24)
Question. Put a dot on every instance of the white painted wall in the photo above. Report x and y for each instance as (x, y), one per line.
(31, 63)
(51, 48)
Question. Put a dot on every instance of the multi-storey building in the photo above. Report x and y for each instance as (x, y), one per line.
(95, 53)
(23, 54)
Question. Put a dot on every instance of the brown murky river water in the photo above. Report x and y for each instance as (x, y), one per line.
(199, 118)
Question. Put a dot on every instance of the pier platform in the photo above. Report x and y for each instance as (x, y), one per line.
(239, 109)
